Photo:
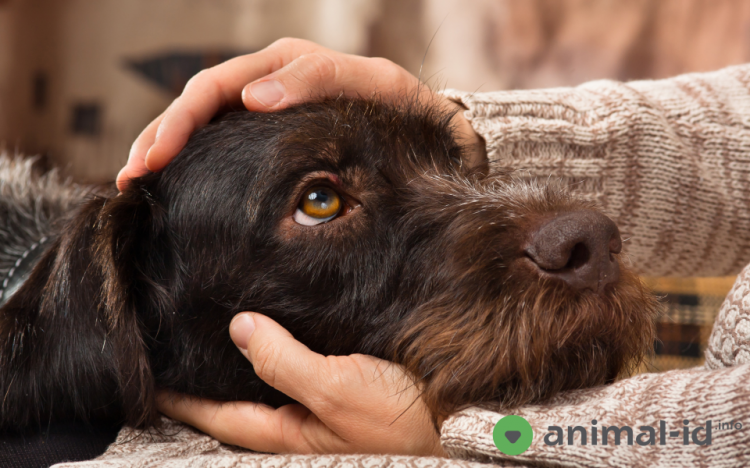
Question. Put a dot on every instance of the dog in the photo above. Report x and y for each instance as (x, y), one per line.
(351, 222)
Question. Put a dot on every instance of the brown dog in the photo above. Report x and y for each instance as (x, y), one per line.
(350, 222)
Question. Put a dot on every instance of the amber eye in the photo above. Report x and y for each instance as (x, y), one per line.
(318, 205)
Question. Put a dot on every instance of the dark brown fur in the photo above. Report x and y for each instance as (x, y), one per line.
(137, 291)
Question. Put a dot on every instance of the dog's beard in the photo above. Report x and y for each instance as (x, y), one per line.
(527, 347)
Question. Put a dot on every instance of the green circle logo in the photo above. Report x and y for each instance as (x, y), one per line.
(513, 435)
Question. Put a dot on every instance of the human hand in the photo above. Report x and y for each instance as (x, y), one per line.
(287, 72)
(349, 404)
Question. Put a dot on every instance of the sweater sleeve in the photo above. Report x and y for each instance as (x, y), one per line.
(719, 392)
(647, 400)
(668, 160)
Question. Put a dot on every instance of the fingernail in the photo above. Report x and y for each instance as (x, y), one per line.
(268, 93)
(148, 160)
(241, 328)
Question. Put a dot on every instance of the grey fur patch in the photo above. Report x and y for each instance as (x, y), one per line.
(31, 206)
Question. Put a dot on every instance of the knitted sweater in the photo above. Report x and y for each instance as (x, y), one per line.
(669, 161)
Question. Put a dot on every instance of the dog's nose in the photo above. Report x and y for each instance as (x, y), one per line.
(577, 247)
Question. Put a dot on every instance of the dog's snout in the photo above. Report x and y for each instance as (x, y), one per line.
(577, 247)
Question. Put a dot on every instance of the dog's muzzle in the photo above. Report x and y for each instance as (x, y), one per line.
(578, 248)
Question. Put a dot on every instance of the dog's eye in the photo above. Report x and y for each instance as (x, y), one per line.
(318, 205)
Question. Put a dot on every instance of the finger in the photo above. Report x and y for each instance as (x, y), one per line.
(212, 90)
(281, 361)
(327, 74)
(136, 166)
(288, 429)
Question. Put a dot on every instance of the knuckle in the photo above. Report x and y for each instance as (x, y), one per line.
(197, 80)
(383, 63)
(330, 399)
(289, 435)
(266, 361)
(287, 50)
(293, 44)
(217, 425)
(318, 67)
(170, 110)
(387, 70)
(284, 42)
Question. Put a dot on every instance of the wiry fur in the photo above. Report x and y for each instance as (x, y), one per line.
(31, 202)
(497, 332)
(137, 291)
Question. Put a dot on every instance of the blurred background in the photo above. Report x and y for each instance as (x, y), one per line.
(79, 79)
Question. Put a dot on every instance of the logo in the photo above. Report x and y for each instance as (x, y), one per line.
(513, 435)
(648, 435)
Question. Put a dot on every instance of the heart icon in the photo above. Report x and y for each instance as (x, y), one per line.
(512, 436)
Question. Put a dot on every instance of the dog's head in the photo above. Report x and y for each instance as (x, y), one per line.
(355, 225)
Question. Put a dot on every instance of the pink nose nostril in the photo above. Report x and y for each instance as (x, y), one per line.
(578, 248)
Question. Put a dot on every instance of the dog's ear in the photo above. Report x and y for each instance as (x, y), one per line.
(72, 339)
(130, 251)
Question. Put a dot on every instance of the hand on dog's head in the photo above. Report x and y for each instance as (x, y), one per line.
(353, 224)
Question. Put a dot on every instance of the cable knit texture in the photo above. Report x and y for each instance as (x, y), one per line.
(697, 395)
(669, 161)
(180, 446)
(729, 344)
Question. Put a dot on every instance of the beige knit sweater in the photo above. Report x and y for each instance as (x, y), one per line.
(669, 161)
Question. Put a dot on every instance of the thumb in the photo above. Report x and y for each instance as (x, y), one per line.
(280, 360)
